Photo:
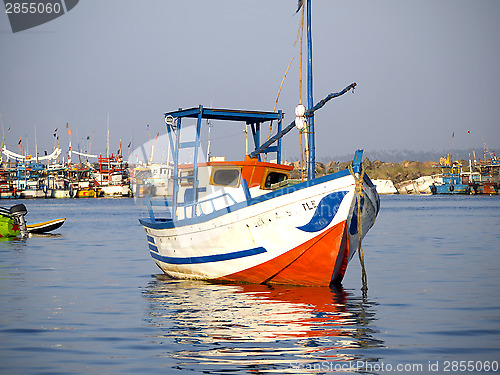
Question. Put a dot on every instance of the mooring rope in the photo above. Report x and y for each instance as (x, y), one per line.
(358, 190)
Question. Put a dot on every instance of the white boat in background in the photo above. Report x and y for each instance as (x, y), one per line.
(244, 221)
(57, 181)
(421, 185)
(385, 187)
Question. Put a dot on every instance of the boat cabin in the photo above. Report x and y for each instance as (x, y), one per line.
(197, 187)
(257, 174)
(221, 183)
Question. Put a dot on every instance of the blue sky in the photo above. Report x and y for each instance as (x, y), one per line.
(425, 70)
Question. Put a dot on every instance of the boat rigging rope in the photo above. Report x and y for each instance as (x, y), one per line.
(358, 191)
(308, 113)
(276, 102)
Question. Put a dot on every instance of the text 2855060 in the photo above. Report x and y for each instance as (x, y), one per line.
(33, 8)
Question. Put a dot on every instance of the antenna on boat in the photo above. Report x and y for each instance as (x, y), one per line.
(107, 139)
(36, 147)
(452, 147)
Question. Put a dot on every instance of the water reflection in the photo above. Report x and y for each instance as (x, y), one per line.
(256, 328)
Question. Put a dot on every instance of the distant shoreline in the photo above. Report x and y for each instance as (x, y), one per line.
(399, 156)
(378, 170)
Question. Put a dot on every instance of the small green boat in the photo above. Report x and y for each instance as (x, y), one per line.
(13, 224)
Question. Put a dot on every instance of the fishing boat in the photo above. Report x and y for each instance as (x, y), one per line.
(8, 182)
(58, 182)
(245, 221)
(451, 176)
(112, 177)
(88, 192)
(488, 177)
(81, 183)
(483, 176)
(29, 180)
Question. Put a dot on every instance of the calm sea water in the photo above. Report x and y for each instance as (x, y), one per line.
(89, 299)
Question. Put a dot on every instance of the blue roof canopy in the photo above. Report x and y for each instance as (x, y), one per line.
(250, 117)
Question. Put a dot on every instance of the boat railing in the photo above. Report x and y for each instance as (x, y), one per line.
(211, 200)
(150, 203)
(169, 203)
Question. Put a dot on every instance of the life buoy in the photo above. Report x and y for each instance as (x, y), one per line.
(451, 187)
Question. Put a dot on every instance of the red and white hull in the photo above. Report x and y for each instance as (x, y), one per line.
(303, 234)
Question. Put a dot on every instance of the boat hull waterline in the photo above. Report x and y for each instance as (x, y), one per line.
(300, 235)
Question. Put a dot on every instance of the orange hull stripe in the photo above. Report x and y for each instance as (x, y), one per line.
(311, 263)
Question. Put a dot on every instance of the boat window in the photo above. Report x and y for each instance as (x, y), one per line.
(226, 176)
(274, 178)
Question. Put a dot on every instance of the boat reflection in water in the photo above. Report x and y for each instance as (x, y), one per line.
(243, 327)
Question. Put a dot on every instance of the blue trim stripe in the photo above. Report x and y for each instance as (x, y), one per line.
(209, 258)
(152, 247)
(277, 193)
(150, 239)
(325, 212)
